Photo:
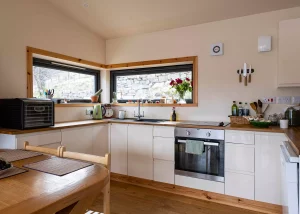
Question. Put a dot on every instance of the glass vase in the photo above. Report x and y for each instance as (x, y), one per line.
(181, 99)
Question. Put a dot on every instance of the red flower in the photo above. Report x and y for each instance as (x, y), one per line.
(172, 83)
(187, 79)
(179, 81)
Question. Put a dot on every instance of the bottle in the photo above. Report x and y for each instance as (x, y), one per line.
(173, 114)
(234, 109)
(241, 109)
(246, 109)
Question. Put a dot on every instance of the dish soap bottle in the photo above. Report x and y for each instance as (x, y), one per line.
(241, 109)
(234, 109)
(173, 115)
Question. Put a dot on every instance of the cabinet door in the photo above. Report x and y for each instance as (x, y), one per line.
(118, 148)
(164, 171)
(163, 148)
(140, 155)
(239, 157)
(162, 131)
(289, 53)
(239, 185)
(100, 144)
(39, 138)
(267, 167)
(78, 139)
(239, 137)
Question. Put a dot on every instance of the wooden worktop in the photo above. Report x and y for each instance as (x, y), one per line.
(293, 133)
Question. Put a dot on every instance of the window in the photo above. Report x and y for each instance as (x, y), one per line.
(149, 83)
(71, 82)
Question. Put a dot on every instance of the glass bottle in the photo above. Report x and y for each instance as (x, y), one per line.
(246, 109)
(234, 109)
(241, 109)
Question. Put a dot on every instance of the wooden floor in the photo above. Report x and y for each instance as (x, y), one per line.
(131, 199)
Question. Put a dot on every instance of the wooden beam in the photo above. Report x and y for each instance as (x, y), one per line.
(195, 80)
(242, 203)
(151, 62)
(64, 57)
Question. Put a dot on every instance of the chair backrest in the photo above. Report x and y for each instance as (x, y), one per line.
(45, 150)
(86, 157)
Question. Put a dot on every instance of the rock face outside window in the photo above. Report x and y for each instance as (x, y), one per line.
(149, 86)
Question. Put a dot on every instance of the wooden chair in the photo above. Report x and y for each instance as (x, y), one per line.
(45, 150)
(105, 161)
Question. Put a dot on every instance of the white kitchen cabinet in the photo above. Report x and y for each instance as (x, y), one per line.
(100, 138)
(267, 167)
(163, 131)
(239, 157)
(239, 137)
(140, 151)
(78, 139)
(163, 148)
(118, 148)
(239, 185)
(164, 171)
(39, 138)
(289, 53)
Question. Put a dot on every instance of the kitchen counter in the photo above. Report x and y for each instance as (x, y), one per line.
(293, 133)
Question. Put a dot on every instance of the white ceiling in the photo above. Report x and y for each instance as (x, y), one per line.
(119, 18)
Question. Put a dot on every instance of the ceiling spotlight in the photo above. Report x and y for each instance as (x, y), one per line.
(85, 4)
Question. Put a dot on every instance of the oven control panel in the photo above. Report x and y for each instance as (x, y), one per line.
(212, 134)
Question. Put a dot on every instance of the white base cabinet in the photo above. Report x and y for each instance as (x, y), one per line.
(164, 171)
(140, 151)
(118, 148)
(239, 185)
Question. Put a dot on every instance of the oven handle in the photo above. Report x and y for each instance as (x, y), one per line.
(205, 143)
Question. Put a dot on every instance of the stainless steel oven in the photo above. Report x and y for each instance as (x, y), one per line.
(209, 163)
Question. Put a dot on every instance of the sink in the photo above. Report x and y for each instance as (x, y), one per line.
(141, 120)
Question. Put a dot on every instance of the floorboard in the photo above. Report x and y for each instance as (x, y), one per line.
(131, 199)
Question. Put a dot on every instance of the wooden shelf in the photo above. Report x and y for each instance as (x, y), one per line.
(76, 105)
(155, 105)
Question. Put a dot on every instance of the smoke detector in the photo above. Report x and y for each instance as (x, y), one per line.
(85, 4)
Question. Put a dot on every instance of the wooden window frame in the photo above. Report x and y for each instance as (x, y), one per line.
(162, 62)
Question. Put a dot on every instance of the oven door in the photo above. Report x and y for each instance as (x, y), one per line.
(209, 165)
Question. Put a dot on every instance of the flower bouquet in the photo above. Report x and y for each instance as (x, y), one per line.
(181, 87)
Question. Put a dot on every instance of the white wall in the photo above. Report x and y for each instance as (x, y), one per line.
(39, 24)
(218, 80)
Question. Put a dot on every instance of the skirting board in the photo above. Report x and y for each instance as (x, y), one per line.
(246, 204)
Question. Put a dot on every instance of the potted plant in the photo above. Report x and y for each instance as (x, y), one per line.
(181, 87)
(96, 96)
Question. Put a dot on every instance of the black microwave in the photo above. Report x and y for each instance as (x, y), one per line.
(26, 113)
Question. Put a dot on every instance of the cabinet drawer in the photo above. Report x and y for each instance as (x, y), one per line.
(239, 137)
(239, 185)
(162, 131)
(164, 171)
(163, 148)
(39, 139)
(239, 158)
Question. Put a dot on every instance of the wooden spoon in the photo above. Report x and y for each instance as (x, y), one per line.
(254, 107)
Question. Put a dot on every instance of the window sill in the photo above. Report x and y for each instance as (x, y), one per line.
(76, 105)
(156, 105)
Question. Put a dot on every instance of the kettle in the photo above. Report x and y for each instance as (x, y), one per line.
(98, 112)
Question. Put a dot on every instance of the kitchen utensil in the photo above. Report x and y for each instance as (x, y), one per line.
(122, 114)
(245, 73)
(259, 107)
(255, 103)
(98, 112)
(266, 108)
(284, 124)
(240, 75)
(249, 76)
(254, 107)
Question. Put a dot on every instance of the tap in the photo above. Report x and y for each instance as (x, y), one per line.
(139, 110)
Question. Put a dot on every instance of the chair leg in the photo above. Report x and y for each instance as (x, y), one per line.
(106, 198)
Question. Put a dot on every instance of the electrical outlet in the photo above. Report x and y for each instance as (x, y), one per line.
(88, 112)
(283, 100)
(296, 100)
(268, 100)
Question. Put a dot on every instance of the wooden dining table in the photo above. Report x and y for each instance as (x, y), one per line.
(42, 193)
